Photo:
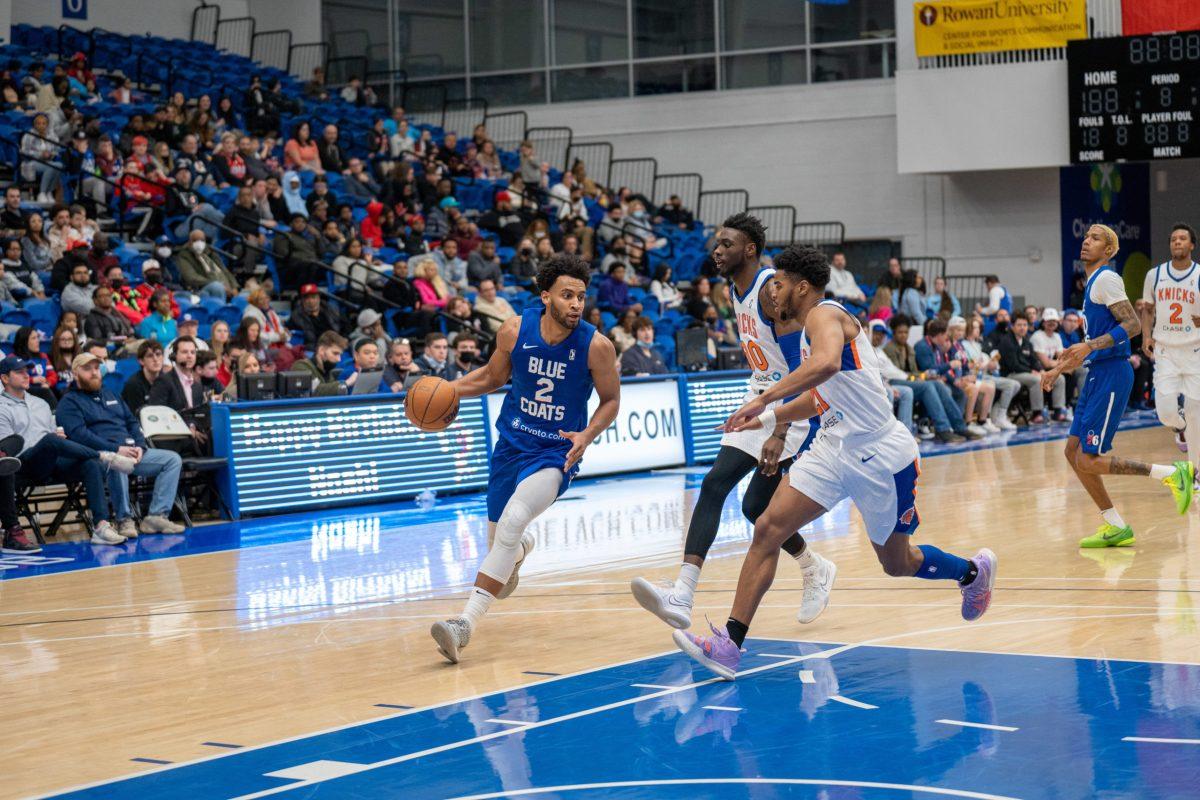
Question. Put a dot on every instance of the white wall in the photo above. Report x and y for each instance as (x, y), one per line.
(830, 150)
(303, 17)
(170, 18)
(1006, 116)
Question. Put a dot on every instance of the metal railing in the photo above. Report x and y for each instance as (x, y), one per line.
(236, 35)
(463, 115)
(819, 234)
(304, 58)
(551, 144)
(688, 185)
(507, 129)
(204, 23)
(638, 174)
(272, 48)
(780, 222)
(595, 157)
(715, 206)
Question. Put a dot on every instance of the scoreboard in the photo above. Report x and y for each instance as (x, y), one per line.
(1134, 98)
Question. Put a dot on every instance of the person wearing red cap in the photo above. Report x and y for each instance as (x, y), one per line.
(313, 317)
(504, 221)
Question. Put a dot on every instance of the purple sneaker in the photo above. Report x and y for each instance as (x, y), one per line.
(717, 652)
(977, 595)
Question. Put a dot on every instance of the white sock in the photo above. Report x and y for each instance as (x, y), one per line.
(685, 584)
(805, 557)
(1112, 517)
(1160, 471)
(477, 605)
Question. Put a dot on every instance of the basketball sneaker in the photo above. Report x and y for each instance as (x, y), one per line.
(1004, 423)
(977, 595)
(660, 600)
(1181, 483)
(105, 533)
(17, 541)
(452, 637)
(1109, 536)
(818, 575)
(508, 588)
(717, 653)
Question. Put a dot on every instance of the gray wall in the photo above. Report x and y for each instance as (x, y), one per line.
(1173, 198)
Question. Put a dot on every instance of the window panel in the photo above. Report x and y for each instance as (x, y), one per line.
(853, 21)
(667, 77)
(589, 83)
(853, 63)
(585, 31)
(764, 69)
(752, 24)
(510, 90)
(430, 37)
(672, 27)
(507, 34)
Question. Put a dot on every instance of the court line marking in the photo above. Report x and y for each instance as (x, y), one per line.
(998, 652)
(150, 760)
(652, 686)
(982, 725)
(707, 682)
(348, 725)
(580, 787)
(499, 721)
(806, 676)
(259, 626)
(852, 702)
(1157, 740)
(722, 708)
(775, 655)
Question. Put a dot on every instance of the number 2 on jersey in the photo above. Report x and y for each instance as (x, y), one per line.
(545, 389)
(1176, 314)
(755, 355)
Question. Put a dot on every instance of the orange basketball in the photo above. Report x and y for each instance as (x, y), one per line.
(431, 404)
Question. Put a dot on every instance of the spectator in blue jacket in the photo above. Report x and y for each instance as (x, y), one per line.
(1070, 331)
(912, 301)
(614, 292)
(938, 362)
(96, 418)
(159, 325)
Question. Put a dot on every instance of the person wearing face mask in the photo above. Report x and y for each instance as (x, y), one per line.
(100, 257)
(126, 300)
(323, 366)
(201, 269)
(159, 325)
(152, 282)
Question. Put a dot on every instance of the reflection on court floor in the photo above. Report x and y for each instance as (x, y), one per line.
(805, 720)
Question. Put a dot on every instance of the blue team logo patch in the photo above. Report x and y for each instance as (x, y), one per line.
(516, 423)
(572, 354)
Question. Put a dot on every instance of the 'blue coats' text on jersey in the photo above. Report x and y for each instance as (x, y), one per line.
(550, 387)
(1098, 320)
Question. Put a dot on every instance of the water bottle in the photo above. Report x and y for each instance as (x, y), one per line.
(427, 498)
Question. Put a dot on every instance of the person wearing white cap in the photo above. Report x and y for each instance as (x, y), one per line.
(1048, 347)
(370, 326)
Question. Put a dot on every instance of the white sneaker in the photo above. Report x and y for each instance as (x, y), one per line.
(127, 528)
(44, 198)
(660, 600)
(156, 523)
(527, 543)
(977, 429)
(1070, 412)
(924, 432)
(452, 637)
(105, 533)
(819, 576)
(990, 426)
(1004, 424)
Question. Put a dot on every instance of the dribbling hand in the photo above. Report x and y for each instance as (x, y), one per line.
(1148, 345)
(579, 442)
(741, 419)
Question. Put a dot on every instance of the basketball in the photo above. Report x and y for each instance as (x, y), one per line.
(431, 404)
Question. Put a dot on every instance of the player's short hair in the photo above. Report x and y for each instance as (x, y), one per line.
(1110, 237)
(331, 339)
(434, 337)
(805, 263)
(751, 227)
(935, 327)
(1183, 226)
(642, 322)
(571, 266)
(147, 347)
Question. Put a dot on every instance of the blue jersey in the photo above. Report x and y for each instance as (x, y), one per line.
(1098, 320)
(550, 387)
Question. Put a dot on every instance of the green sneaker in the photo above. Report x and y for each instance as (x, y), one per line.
(1181, 483)
(1109, 536)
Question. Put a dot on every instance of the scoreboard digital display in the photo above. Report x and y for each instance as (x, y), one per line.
(1134, 98)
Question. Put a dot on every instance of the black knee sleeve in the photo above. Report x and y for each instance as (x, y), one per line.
(730, 467)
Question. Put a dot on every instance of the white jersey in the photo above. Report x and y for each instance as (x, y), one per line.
(1176, 299)
(854, 401)
(757, 334)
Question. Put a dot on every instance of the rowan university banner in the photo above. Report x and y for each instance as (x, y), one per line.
(955, 27)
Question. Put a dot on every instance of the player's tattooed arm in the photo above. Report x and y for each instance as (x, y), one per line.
(1126, 318)
(1125, 466)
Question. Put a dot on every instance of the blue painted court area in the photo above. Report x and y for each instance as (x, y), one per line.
(804, 720)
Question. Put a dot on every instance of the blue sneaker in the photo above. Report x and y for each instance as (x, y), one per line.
(717, 652)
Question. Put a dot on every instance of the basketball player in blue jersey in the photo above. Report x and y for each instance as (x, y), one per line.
(861, 452)
(772, 348)
(552, 359)
(1109, 321)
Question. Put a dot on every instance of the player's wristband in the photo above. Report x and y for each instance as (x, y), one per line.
(767, 418)
(1119, 334)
